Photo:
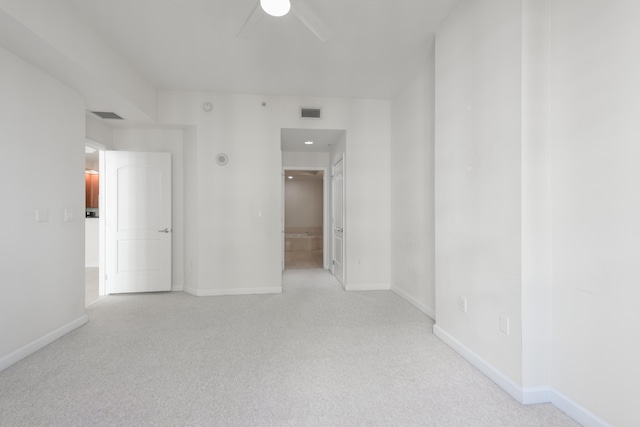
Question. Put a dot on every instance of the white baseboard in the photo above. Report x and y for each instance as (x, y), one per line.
(577, 412)
(41, 342)
(414, 302)
(534, 395)
(506, 383)
(526, 396)
(368, 287)
(235, 291)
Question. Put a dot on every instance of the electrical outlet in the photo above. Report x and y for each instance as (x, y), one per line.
(462, 304)
(504, 325)
(68, 215)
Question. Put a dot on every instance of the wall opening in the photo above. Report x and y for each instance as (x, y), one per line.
(304, 219)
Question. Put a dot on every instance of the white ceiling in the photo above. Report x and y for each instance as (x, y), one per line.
(323, 139)
(374, 47)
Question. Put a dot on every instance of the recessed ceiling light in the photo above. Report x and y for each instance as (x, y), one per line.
(290, 177)
(309, 142)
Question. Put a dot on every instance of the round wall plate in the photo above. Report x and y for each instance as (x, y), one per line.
(207, 106)
(222, 159)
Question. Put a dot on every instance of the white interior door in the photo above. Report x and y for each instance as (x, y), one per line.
(337, 206)
(138, 222)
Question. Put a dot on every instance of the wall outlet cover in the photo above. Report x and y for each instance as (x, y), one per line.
(462, 304)
(504, 325)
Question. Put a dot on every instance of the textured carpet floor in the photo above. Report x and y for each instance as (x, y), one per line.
(314, 355)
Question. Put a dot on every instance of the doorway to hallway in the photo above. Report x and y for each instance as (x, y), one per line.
(93, 153)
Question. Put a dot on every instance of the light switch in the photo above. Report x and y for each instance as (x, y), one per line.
(68, 215)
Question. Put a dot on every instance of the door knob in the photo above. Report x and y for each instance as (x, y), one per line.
(166, 230)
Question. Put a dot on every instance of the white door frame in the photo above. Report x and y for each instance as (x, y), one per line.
(326, 213)
(338, 159)
(101, 220)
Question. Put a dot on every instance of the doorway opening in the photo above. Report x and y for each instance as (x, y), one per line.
(94, 286)
(308, 151)
(304, 217)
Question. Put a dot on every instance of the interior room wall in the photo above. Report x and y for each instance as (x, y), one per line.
(49, 35)
(42, 292)
(98, 131)
(166, 141)
(594, 131)
(303, 207)
(412, 190)
(478, 179)
(240, 219)
(191, 203)
(91, 242)
(299, 159)
(536, 207)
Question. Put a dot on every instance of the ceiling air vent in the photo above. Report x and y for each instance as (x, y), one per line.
(310, 113)
(107, 115)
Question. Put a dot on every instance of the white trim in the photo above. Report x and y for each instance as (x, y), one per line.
(190, 291)
(529, 395)
(534, 395)
(414, 302)
(505, 383)
(95, 144)
(368, 287)
(227, 292)
(576, 411)
(41, 342)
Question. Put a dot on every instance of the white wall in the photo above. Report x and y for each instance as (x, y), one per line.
(98, 131)
(91, 242)
(191, 207)
(478, 178)
(239, 218)
(536, 112)
(303, 205)
(536, 206)
(41, 168)
(412, 190)
(165, 141)
(52, 37)
(311, 160)
(594, 111)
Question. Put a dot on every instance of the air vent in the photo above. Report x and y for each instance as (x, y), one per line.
(310, 113)
(107, 115)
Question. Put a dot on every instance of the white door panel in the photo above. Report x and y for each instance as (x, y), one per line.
(138, 219)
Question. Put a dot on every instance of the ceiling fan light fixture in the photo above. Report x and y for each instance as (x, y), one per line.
(276, 7)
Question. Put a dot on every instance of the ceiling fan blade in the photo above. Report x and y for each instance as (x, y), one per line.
(251, 21)
(310, 19)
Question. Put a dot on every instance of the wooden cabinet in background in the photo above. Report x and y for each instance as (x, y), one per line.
(92, 182)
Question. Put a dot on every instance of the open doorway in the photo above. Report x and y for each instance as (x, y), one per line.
(309, 152)
(304, 205)
(92, 232)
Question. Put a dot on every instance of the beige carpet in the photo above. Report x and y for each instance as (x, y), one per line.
(312, 356)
